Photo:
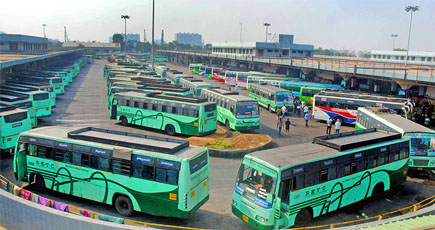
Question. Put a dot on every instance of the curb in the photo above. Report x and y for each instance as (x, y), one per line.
(237, 153)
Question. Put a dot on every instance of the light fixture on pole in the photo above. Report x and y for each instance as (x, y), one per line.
(152, 42)
(412, 9)
(125, 17)
(43, 29)
(394, 36)
(267, 27)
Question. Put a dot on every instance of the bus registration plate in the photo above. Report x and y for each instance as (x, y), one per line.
(245, 218)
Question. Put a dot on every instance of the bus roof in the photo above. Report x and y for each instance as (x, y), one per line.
(6, 109)
(13, 97)
(272, 88)
(20, 89)
(195, 82)
(171, 97)
(395, 121)
(123, 143)
(324, 146)
(230, 94)
(30, 83)
(312, 84)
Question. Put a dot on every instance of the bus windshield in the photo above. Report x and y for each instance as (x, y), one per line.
(284, 97)
(423, 146)
(247, 109)
(57, 80)
(40, 96)
(15, 117)
(256, 185)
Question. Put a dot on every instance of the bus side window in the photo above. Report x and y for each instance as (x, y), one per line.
(394, 155)
(403, 153)
(85, 160)
(298, 182)
(145, 106)
(164, 109)
(77, 158)
(44, 152)
(24, 147)
(143, 171)
(32, 150)
(381, 159)
(311, 178)
(121, 167)
(127, 103)
(328, 174)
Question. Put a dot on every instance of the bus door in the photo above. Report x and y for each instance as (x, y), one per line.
(20, 163)
(113, 111)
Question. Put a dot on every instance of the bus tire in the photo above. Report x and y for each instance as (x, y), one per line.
(170, 130)
(124, 206)
(124, 121)
(303, 218)
(378, 191)
(39, 183)
(227, 124)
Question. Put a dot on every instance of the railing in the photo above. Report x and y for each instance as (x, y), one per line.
(412, 72)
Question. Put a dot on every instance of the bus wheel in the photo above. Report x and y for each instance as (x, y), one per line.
(378, 191)
(124, 121)
(303, 218)
(170, 130)
(227, 124)
(124, 206)
(39, 183)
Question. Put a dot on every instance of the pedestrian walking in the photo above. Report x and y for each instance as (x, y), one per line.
(287, 126)
(307, 118)
(305, 109)
(299, 110)
(283, 110)
(295, 104)
(337, 126)
(279, 125)
(329, 126)
(237, 87)
(303, 103)
(278, 113)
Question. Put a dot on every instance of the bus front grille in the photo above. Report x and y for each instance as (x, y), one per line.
(421, 162)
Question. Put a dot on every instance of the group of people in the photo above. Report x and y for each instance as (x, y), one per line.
(329, 126)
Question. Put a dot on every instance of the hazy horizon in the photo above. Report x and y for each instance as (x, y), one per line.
(340, 24)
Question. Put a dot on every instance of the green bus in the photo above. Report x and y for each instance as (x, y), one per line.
(175, 76)
(56, 82)
(46, 74)
(286, 186)
(40, 99)
(132, 172)
(171, 113)
(161, 71)
(271, 97)
(20, 101)
(36, 86)
(194, 85)
(422, 155)
(236, 111)
(174, 89)
(138, 80)
(66, 75)
(13, 121)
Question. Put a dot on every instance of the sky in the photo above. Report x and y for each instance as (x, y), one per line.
(361, 25)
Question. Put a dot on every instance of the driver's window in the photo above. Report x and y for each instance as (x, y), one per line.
(24, 147)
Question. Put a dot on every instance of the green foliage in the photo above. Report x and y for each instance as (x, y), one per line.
(143, 47)
(219, 144)
(399, 49)
(332, 52)
(81, 46)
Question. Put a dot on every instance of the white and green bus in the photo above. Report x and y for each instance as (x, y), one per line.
(194, 85)
(422, 156)
(21, 101)
(236, 111)
(271, 97)
(172, 113)
(173, 89)
(13, 121)
(175, 76)
(56, 82)
(38, 86)
(132, 172)
(286, 186)
(40, 99)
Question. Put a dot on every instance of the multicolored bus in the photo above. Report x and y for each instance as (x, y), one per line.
(13, 121)
(40, 99)
(171, 113)
(282, 187)
(422, 155)
(56, 82)
(20, 101)
(194, 85)
(133, 172)
(344, 106)
(36, 86)
(271, 97)
(194, 68)
(236, 111)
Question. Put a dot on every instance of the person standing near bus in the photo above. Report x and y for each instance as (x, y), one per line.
(236, 88)
(279, 125)
(305, 109)
(278, 113)
(307, 117)
(299, 110)
(303, 103)
(337, 126)
(295, 104)
(283, 110)
(287, 126)
(329, 126)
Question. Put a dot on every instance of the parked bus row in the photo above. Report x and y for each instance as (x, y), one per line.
(34, 91)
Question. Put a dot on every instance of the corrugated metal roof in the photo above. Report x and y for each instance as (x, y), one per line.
(424, 222)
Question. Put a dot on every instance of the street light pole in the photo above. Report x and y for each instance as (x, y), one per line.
(394, 39)
(125, 17)
(152, 42)
(267, 27)
(43, 29)
(412, 9)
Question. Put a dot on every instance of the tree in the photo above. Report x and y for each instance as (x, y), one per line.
(118, 38)
(81, 46)
(143, 47)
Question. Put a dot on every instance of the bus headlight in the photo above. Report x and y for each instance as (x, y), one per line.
(261, 219)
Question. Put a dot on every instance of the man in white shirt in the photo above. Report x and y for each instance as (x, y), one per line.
(305, 110)
(283, 110)
(337, 126)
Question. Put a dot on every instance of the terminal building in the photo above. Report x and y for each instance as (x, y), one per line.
(399, 56)
(97, 46)
(189, 38)
(285, 48)
(22, 43)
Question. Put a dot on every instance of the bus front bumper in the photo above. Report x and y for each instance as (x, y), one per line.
(248, 220)
(187, 214)
(246, 127)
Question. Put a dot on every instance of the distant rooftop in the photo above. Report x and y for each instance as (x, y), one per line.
(403, 53)
(91, 44)
(20, 38)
